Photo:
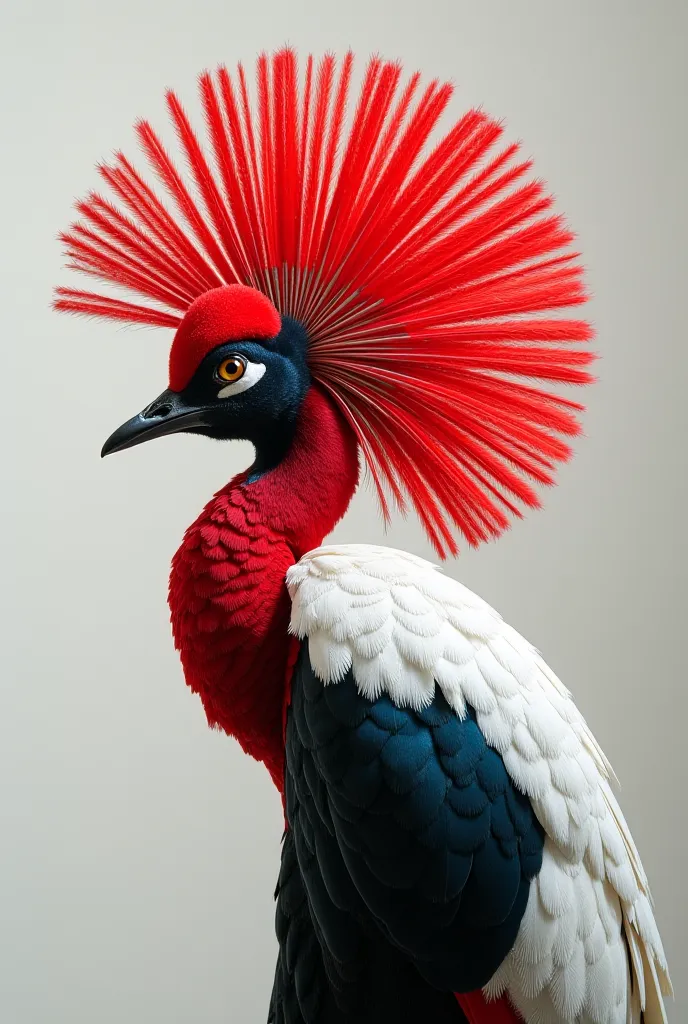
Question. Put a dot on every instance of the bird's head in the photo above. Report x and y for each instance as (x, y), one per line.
(237, 371)
(430, 276)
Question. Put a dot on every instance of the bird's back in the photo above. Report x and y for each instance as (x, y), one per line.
(386, 630)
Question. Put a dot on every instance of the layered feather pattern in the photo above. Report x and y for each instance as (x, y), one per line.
(588, 950)
(427, 266)
(409, 833)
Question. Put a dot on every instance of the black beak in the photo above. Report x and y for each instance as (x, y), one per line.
(168, 414)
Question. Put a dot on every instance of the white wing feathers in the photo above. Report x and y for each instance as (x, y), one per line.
(404, 628)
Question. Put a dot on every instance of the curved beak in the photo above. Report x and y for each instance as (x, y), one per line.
(168, 414)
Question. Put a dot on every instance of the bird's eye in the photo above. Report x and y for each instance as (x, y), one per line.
(231, 370)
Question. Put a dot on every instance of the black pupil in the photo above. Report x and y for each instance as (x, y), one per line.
(232, 366)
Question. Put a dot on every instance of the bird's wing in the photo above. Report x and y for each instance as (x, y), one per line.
(406, 818)
(338, 972)
(403, 629)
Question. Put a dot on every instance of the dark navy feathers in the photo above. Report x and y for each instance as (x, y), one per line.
(406, 829)
(371, 983)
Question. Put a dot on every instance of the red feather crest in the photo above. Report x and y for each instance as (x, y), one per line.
(428, 273)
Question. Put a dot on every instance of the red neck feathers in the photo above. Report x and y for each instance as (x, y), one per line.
(229, 603)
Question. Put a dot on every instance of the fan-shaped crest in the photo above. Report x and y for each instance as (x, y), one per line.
(428, 272)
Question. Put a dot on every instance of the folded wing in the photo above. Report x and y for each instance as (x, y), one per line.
(587, 947)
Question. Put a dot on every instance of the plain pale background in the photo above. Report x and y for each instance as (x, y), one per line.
(138, 850)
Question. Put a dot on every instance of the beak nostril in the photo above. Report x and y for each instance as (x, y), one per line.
(166, 414)
(157, 410)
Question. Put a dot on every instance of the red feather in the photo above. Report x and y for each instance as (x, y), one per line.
(479, 1011)
(426, 268)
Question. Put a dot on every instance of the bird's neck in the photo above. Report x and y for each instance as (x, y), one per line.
(228, 599)
(303, 495)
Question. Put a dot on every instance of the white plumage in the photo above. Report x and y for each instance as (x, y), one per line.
(588, 950)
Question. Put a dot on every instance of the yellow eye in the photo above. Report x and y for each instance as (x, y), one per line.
(231, 370)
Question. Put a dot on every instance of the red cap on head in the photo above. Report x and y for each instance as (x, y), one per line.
(230, 313)
(430, 323)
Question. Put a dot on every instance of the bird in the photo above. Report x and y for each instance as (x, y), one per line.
(357, 286)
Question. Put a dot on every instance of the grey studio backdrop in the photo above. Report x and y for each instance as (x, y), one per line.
(139, 851)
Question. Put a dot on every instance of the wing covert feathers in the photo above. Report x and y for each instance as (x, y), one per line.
(588, 951)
